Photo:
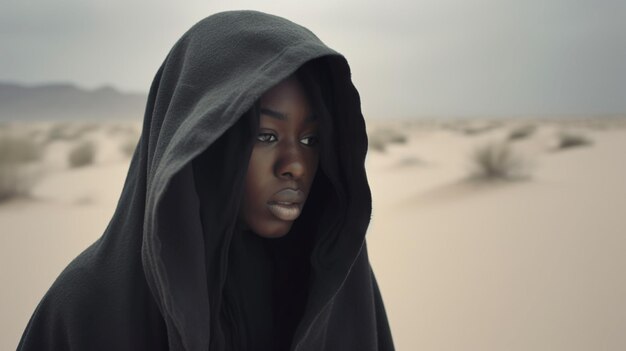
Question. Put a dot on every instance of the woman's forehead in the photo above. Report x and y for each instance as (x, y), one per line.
(287, 90)
(285, 100)
(269, 113)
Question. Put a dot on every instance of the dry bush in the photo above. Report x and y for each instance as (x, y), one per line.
(476, 130)
(569, 139)
(83, 154)
(410, 161)
(60, 131)
(497, 161)
(70, 131)
(474, 127)
(522, 132)
(379, 139)
(121, 128)
(86, 127)
(18, 149)
(16, 153)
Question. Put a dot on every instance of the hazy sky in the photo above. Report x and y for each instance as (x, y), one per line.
(409, 58)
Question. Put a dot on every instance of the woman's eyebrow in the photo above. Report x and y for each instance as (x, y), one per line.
(281, 116)
(274, 114)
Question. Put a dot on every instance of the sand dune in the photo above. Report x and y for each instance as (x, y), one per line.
(463, 264)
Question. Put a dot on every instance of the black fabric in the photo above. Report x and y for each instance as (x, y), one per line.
(173, 270)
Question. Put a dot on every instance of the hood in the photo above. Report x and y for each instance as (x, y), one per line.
(210, 78)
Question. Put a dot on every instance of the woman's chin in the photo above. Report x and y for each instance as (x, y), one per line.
(274, 231)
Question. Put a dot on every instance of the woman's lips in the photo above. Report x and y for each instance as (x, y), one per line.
(287, 211)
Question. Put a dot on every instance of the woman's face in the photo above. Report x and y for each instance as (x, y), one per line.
(283, 163)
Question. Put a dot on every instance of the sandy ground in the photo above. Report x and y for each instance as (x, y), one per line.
(531, 264)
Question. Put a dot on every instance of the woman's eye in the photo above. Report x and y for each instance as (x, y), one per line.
(310, 140)
(266, 137)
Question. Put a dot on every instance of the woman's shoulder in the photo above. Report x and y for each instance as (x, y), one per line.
(93, 304)
(64, 307)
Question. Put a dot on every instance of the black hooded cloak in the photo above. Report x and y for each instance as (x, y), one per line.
(172, 269)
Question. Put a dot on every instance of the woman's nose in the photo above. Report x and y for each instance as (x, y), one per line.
(291, 164)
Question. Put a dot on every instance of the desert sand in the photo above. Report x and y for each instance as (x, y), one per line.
(532, 260)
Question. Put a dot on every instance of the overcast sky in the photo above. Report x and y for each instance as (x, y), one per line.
(409, 58)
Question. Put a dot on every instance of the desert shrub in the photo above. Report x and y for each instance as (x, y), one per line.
(121, 128)
(115, 129)
(82, 154)
(70, 131)
(59, 131)
(497, 161)
(86, 128)
(410, 161)
(522, 132)
(14, 182)
(15, 154)
(569, 139)
(471, 127)
(376, 145)
(16, 149)
(475, 130)
(378, 139)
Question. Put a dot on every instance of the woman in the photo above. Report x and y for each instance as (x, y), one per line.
(242, 220)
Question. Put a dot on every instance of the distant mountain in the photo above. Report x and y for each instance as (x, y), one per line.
(67, 102)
